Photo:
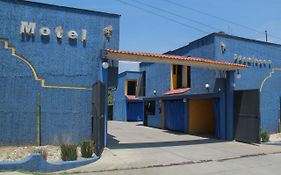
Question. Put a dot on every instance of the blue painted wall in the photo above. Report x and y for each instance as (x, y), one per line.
(65, 113)
(120, 100)
(252, 78)
(157, 77)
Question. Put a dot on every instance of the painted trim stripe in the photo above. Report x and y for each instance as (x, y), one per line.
(34, 72)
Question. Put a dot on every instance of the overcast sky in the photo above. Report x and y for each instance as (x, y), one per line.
(161, 25)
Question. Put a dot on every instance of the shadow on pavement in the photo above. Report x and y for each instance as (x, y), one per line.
(113, 143)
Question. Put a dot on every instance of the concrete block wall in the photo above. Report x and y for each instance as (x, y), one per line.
(157, 77)
(65, 112)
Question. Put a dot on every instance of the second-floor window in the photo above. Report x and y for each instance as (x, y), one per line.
(131, 87)
(180, 77)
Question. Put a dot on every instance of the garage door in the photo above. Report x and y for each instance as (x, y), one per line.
(135, 111)
(175, 115)
(202, 117)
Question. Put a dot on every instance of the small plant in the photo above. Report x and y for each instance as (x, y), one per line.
(43, 152)
(68, 152)
(264, 136)
(87, 148)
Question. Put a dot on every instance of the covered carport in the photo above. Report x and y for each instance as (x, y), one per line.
(216, 119)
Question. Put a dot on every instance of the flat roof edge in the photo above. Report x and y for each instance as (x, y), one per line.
(29, 2)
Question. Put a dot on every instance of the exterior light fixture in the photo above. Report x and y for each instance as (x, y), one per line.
(207, 86)
(105, 65)
(223, 47)
(107, 31)
(238, 75)
(184, 100)
(154, 92)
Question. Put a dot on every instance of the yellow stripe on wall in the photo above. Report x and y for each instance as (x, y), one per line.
(34, 72)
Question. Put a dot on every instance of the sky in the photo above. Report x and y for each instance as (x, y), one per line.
(158, 26)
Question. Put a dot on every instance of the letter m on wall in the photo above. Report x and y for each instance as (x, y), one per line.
(27, 28)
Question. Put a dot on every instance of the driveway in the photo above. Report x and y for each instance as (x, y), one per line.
(134, 146)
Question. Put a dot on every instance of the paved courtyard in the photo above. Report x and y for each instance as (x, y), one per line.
(132, 146)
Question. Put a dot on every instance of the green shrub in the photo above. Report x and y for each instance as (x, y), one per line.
(264, 136)
(68, 152)
(43, 152)
(87, 148)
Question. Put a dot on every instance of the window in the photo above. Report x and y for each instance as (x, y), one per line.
(180, 77)
(131, 87)
(149, 108)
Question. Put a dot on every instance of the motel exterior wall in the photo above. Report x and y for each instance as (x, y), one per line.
(70, 67)
(120, 100)
(252, 78)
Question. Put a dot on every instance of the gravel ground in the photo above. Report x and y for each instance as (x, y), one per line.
(14, 153)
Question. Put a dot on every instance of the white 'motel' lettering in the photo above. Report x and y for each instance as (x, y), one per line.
(84, 35)
(59, 32)
(45, 31)
(28, 28)
(72, 34)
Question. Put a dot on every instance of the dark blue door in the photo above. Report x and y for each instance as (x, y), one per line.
(134, 111)
(175, 115)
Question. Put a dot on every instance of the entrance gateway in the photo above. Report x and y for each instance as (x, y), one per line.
(247, 116)
(227, 68)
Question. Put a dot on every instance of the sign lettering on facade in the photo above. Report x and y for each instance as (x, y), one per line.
(28, 28)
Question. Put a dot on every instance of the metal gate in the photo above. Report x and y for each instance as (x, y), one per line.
(246, 116)
(98, 119)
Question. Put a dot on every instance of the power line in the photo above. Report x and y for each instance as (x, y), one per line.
(220, 18)
(164, 17)
(177, 15)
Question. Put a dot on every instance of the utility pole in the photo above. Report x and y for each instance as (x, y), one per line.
(266, 36)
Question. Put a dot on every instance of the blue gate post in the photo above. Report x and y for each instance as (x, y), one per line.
(230, 84)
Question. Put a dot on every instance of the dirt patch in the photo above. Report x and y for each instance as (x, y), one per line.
(14, 153)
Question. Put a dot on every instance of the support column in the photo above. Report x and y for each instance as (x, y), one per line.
(229, 97)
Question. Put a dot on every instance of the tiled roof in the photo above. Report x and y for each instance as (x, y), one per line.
(193, 61)
(131, 97)
(177, 91)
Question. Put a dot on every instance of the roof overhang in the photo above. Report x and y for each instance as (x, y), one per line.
(172, 59)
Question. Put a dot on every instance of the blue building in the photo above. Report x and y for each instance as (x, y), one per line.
(227, 104)
(262, 76)
(127, 107)
(50, 56)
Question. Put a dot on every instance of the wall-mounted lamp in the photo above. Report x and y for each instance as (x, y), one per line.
(184, 100)
(107, 31)
(207, 86)
(154, 92)
(105, 65)
(223, 47)
(238, 75)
